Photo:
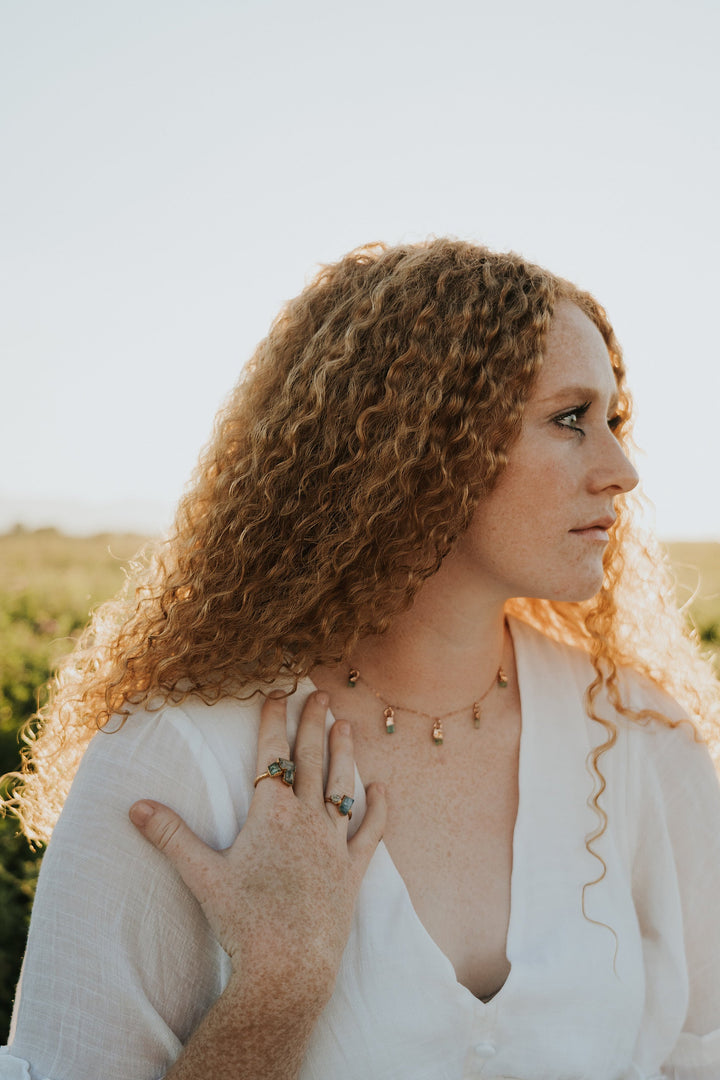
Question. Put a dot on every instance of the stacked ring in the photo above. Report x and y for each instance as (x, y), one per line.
(343, 804)
(279, 767)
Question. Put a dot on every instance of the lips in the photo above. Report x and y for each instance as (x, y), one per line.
(603, 523)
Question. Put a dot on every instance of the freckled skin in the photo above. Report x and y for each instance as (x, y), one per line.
(520, 541)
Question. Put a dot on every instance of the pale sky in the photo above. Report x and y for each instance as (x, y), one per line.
(173, 171)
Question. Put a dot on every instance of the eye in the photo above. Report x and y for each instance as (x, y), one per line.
(614, 422)
(570, 420)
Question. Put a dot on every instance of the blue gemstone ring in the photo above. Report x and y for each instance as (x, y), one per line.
(279, 767)
(343, 803)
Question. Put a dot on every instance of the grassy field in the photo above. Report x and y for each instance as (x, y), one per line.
(697, 570)
(48, 585)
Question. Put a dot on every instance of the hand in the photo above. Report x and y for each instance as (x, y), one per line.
(280, 899)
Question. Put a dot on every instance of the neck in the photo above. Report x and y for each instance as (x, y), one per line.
(447, 648)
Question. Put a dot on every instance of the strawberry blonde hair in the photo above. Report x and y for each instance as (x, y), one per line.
(342, 470)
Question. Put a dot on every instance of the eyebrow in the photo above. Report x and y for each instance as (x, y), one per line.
(578, 393)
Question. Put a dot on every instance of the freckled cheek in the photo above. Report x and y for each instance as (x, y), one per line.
(551, 485)
(537, 500)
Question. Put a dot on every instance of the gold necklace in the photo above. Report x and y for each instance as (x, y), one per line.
(437, 733)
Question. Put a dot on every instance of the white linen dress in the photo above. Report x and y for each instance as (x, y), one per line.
(121, 965)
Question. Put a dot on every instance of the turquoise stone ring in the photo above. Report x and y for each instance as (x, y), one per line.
(279, 767)
(343, 803)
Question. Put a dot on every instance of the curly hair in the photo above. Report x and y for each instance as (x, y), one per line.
(343, 468)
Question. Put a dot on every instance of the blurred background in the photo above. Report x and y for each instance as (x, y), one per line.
(174, 170)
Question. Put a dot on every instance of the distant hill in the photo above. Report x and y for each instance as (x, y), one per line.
(76, 518)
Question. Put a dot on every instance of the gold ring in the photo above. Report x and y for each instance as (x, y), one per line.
(343, 804)
(279, 767)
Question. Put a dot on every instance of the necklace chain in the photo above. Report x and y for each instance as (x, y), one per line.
(437, 733)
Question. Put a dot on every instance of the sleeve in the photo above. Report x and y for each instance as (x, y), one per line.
(120, 963)
(692, 796)
(676, 880)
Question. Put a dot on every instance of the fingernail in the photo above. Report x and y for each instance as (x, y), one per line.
(323, 699)
(141, 812)
(343, 727)
(276, 695)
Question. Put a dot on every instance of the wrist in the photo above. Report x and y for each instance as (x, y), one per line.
(280, 988)
(253, 1029)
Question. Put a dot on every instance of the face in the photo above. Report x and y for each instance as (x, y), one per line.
(542, 531)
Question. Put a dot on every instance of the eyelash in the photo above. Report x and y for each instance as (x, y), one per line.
(578, 412)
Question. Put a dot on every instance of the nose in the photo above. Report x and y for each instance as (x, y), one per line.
(613, 468)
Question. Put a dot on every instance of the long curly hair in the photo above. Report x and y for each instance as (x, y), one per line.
(343, 468)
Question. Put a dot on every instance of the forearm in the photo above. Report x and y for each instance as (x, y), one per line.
(251, 1033)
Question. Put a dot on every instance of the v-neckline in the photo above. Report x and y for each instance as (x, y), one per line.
(516, 845)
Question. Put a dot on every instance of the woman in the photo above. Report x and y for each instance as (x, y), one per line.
(413, 518)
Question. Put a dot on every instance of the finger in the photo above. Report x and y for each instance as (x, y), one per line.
(272, 741)
(363, 844)
(309, 749)
(341, 773)
(166, 831)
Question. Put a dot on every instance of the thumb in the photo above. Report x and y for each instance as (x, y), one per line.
(167, 832)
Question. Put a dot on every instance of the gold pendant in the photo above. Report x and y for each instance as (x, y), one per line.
(437, 732)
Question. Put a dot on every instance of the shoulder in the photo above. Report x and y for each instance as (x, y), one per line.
(646, 717)
(180, 739)
(156, 754)
(662, 739)
(199, 758)
(636, 691)
(181, 755)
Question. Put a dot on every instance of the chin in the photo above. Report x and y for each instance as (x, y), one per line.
(572, 592)
(584, 594)
(585, 591)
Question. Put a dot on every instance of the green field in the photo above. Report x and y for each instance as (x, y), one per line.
(48, 585)
(697, 570)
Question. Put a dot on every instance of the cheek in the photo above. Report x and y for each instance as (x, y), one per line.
(532, 494)
(532, 502)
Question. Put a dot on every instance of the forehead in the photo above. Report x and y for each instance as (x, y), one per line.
(575, 355)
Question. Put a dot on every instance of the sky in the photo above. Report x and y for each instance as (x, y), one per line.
(175, 170)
